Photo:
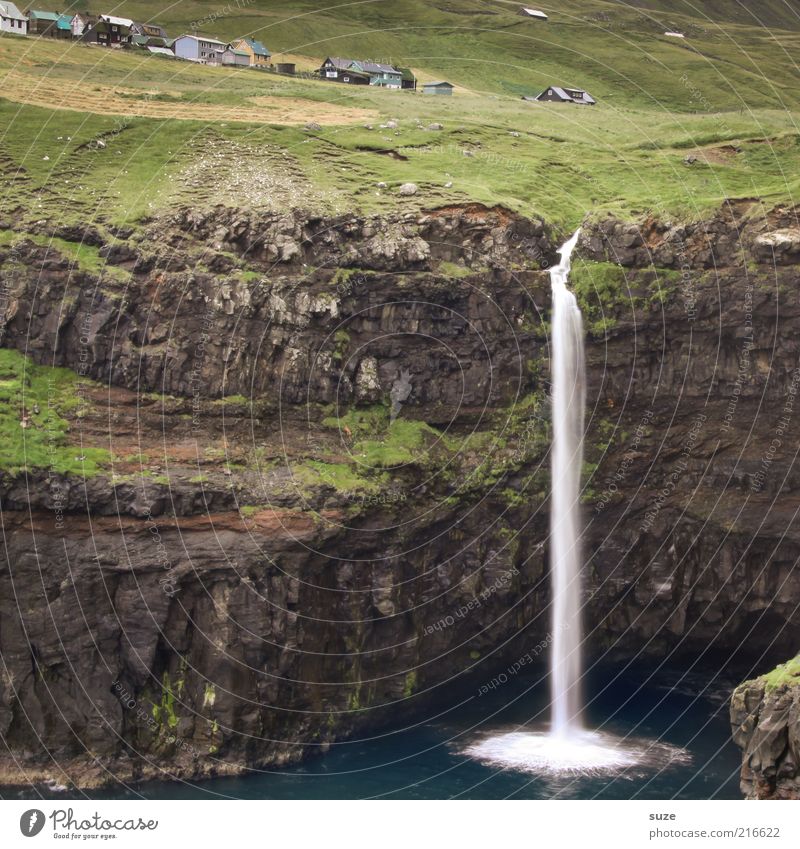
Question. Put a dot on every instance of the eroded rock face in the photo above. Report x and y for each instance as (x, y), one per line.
(166, 627)
(766, 725)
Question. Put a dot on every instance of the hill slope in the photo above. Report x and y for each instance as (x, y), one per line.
(613, 48)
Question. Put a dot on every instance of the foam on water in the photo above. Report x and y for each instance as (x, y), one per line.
(580, 753)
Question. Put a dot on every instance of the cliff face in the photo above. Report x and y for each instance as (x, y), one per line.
(765, 716)
(328, 505)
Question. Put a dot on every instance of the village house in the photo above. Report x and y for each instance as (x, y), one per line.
(440, 87)
(379, 74)
(149, 30)
(109, 31)
(12, 20)
(257, 53)
(556, 94)
(41, 23)
(80, 21)
(408, 80)
(63, 28)
(342, 70)
(237, 58)
(197, 48)
(361, 72)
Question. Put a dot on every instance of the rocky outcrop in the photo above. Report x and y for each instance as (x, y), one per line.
(287, 568)
(765, 716)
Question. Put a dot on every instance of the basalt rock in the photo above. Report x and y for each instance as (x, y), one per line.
(765, 717)
(242, 613)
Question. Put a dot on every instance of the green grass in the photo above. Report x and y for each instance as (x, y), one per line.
(785, 674)
(657, 98)
(601, 290)
(610, 48)
(403, 443)
(342, 477)
(25, 388)
(361, 422)
(82, 256)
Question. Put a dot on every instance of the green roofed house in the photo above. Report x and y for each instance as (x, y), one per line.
(409, 81)
(439, 87)
(258, 55)
(41, 22)
(12, 20)
(63, 27)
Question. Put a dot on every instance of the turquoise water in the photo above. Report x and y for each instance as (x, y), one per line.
(427, 761)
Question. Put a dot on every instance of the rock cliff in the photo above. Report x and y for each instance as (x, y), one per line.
(324, 504)
(765, 715)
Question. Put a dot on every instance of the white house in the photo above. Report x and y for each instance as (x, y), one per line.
(533, 13)
(12, 20)
(78, 24)
(199, 48)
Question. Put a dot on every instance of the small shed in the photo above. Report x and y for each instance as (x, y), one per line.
(673, 34)
(438, 87)
(533, 13)
(286, 68)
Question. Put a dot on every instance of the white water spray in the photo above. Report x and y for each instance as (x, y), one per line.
(569, 392)
(568, 749)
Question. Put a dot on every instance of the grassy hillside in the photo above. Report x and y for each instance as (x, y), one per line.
(174, 133)
(616, 50)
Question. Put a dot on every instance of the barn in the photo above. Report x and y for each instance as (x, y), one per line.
(438, 87)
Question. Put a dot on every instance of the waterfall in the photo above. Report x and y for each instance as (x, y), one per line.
(567, 748)
(569, 390)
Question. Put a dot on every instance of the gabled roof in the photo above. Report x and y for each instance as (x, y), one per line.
(64, 22)
(35, 14)
(353, 72)
(440, 82)
(340, 64)
(153, 30)
(376, 68)
(568, 94)
(205, 38)
(9, 10)
(533, 13)
(164, 51)
(256, 46)
(119, 22)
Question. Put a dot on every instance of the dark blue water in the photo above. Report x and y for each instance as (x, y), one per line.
(427, 761)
